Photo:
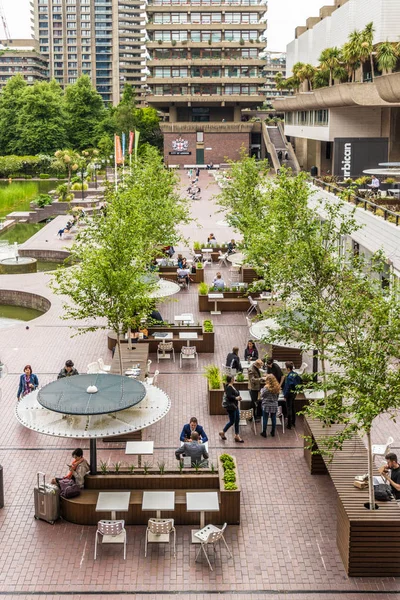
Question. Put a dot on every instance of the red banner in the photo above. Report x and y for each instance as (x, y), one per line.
(118, 151)
(131, 138)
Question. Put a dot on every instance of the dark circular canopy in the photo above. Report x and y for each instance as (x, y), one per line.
(69, 396)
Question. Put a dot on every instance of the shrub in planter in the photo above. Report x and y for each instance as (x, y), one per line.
(78, 187)
(239, 377)
(44, 176)
(199, 266)
(230, 486)
(203, 288)
(196, 246)
(208, 326)
(229, 476)
(43, 200)
(214, 376)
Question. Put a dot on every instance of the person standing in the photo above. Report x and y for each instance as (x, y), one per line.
(269, 402)
(233, 360)
(251, 352)
(274, 369)
(292, 380)
(255, 383)
(231, 403)
(198, 172)
(28, 382)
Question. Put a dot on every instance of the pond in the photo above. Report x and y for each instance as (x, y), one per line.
(20, 232)
(12, 315)
(18, 195)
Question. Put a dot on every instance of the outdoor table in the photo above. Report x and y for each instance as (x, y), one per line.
(188, 335)
(205, 444)
(215, 297)
(168, 335)
(207, 253)
(261, 329)
(313, 395)
(182, 319)
(246, 364)
(202, 502)
(237, 258)
(158, 501)
(394, 192)
(139, 448)
(113, 501)
(246, 399)
(138, 354)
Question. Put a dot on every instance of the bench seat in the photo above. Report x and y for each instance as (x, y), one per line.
(82, 509)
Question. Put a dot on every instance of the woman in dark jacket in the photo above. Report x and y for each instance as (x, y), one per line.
(231, 403)
(28, 382)
(251, 352)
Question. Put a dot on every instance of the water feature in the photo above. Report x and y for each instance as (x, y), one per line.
(12, 315)
(20, 232)
(16, 196)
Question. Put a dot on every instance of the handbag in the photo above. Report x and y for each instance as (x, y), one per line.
(383, 492)
(68, 487)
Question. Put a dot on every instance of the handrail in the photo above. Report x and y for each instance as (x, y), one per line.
(334, 189)
(270, 148)
(289, 146)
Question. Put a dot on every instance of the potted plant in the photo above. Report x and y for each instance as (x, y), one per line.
(215, 390)
(208, 326)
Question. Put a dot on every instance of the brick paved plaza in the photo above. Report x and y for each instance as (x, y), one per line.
(285, 546)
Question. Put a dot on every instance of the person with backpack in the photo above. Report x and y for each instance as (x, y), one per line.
(292, 380)
(75, 478)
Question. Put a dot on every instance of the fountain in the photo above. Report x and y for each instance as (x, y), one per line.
(14, 264)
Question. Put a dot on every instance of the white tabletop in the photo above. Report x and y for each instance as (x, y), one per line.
(205, 250)
(158, 501)
(184, 318)
(215, 296)
(246, 364)
(201, 501)
(237, 258)
(139, 448)
(108, 501)
(168, 336)
(245, 395)
(316, 395)
(188, 335)
(261, 329)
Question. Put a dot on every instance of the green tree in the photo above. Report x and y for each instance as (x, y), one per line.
(84, 110)
(387, 56)
(40, 126)
(67, 160)
(352, 53)
(10, 102)
(331, 59)
(365, 379)
(307, 73)
(147, 121)
(125, 111)
(367, 47)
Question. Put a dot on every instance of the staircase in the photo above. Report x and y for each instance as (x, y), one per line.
(280, 144)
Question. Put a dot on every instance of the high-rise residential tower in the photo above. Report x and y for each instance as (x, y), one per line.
(204, 68)
(21, 57)
(101, 38)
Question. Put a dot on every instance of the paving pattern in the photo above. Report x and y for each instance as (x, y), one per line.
(285, 546)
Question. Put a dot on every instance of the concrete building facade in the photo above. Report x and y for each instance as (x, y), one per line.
(204, 66)
(275, 62)
(100, 38)
(22, 57)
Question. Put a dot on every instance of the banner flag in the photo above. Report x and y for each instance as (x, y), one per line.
(137, 134)
(123, 145)
(118, 151)
(131, 138)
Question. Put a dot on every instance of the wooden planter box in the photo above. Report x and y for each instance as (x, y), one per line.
(82, 509)
(249, 275)
(215, 251)
(232, 301)
(205, 343)
(230, 499)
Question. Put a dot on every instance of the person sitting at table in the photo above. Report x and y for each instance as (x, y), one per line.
(78, 469)
(188, 429)
(375, 183)
(184, 274)
(180, 261)
(211, 240)
(251, 352)
(233, 360)
(231, 247)
(155, 315)
(68, 371)
(196, 451)
(219, 283)
(139, 333)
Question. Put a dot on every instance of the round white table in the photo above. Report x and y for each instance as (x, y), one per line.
(237, 258)
(261, 330)
(165, 288)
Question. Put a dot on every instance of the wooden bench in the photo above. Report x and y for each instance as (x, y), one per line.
(238, 304)
(368, 541)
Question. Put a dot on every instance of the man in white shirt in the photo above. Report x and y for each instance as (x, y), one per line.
(219, 283)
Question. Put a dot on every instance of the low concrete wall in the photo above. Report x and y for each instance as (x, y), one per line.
(25, 299)
(49, 255)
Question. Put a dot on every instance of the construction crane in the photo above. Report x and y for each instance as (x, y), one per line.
(4, 21)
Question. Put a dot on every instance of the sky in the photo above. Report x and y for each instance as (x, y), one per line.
(283, 17)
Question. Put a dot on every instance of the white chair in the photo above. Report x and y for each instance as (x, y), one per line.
(228, 370)
(189, 353)
(94, 367)
(210, 535)
(157, 530)
(301, 369)
(249, 322)
(234, 273)
(149, 365)
(153, 380)
(222, 259)
(247, 415)
(253, 306)
(280, 419)
(165, 350)
(381, 449)
(102, 366)
(111, 529)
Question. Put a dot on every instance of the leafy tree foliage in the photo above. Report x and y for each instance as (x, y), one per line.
(10, 101)
(83, 109)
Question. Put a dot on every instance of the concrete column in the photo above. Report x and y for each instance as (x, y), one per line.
(172, 114)
(237, 114)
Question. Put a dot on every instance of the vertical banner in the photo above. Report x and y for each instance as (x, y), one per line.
(118, 151)
(131, 138)
(123, 146)
(137, 134)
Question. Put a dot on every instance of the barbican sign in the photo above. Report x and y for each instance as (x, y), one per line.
(355, 155)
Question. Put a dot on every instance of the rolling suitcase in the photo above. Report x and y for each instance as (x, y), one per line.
(47, 501)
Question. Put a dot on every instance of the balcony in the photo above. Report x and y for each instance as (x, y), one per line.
(187, 8)
(210, 99)
(200, 62)
(202, 26)
(204, 80)
(187, 43)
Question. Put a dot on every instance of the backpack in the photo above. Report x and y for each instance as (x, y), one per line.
(294, 380)
(69, 489)
(383, 492)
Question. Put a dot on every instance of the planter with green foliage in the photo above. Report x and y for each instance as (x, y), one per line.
(229, 483)
(215, 390)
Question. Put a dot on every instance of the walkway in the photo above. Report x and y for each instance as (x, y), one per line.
(285, 546)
